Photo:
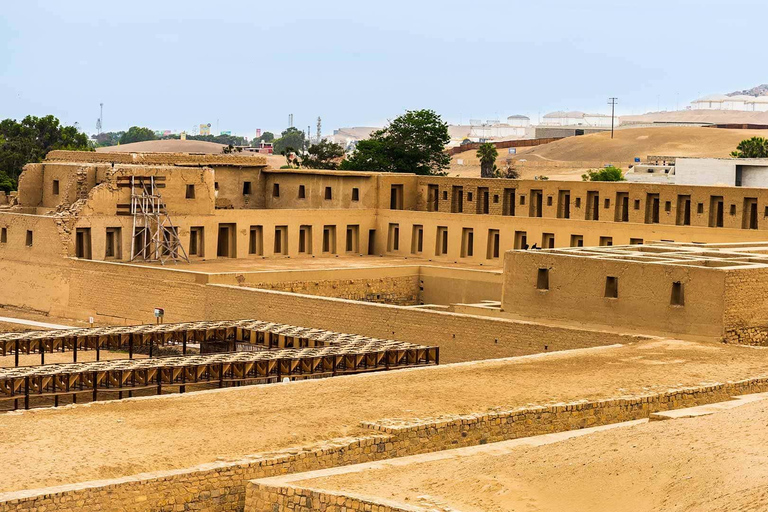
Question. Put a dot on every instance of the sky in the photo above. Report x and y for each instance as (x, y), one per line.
(243, 65)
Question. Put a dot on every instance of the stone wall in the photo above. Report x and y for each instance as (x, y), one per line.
(221, 486)
(288, 497)
(400, 291)
(745, 314)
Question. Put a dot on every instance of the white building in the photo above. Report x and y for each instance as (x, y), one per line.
(739, 102)
(576, 118)
(738, 172)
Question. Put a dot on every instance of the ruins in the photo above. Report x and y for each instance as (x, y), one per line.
(345, 298)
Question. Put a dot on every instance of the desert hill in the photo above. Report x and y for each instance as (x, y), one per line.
(569, 157)
(165, 146)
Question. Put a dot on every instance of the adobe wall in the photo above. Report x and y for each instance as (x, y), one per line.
(341, 185)
(156, 158)
(442, 285)
(225, 487)
(269, 498)
(128, 294)
(460, 337)
(386, 285)
(577, 293)
(745, 315)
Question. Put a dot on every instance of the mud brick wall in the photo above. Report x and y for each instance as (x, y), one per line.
(155, 158)
(745, 312)
(460, 337)
(265, 497)
(400, 291)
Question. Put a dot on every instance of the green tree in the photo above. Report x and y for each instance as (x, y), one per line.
(487, 154)
(609, 173)
(137, 134)
(107, 139)
(414, 142)
(756, 147)
(291, 138)
(265, 137)
(323, 155)
(30, 140)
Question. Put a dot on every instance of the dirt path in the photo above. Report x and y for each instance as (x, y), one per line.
(110, 439)
(712, 463)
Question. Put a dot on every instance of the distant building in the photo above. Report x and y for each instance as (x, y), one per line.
(727, 172)
(575, 118)
(739, 102)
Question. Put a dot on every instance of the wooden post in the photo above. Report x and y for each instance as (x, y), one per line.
(437, 355)
(221, 375)
(74, 352)
(95, 385)
(26, 392)
(98, 347)
(183, 388)
(130, 346)
(16, 357)
(150, 347)
(120, 395)
(41, 346)
(184, 344)
(159, 377)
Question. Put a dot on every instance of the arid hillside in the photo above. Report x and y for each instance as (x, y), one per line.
(165, 146)
(568, 158)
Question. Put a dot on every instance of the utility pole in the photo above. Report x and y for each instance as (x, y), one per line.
(612, 102)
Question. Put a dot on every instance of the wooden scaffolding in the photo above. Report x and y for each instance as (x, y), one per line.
(154, 237)
(282, 351)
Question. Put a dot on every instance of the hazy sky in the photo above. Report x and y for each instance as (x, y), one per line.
(247, 65)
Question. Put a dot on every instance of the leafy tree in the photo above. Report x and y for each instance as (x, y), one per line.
(234, 140)
(609, 173)
(292, 138)
(756, 147)
(323, 155)
(30, 140)
(487, 154)
(137, 134)
(413, 142)
(265, 137)
(291, 160)
(231, 149)
(107, 139)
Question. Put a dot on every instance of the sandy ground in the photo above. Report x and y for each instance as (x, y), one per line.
(83, 356)
(713, 463)
(111, 439)
(344, 262)
(22, 314)
(567, 159)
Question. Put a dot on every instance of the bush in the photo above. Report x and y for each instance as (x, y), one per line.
(609, 173)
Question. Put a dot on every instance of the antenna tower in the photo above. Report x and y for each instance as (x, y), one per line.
(319, 128)
(100, 120)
